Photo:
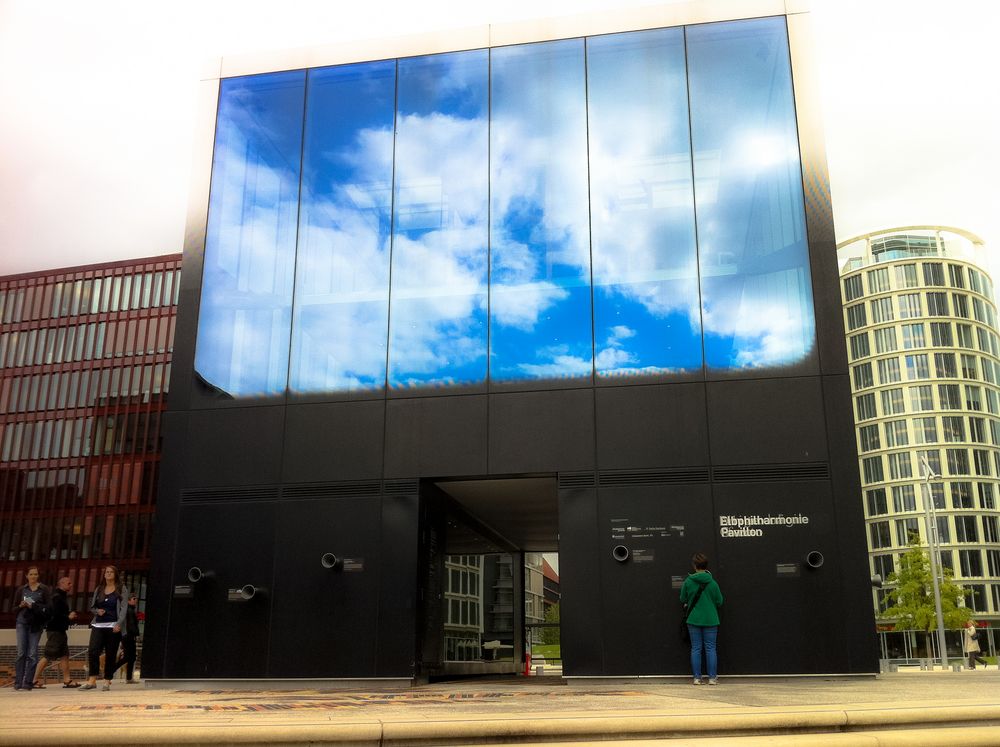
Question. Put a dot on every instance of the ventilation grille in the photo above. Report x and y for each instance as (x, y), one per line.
(211, 495)
(577, 480)
(612, 478)
(400, 487)
(772, 472)
(355, 489)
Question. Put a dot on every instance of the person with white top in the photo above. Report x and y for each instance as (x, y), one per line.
(109, 605)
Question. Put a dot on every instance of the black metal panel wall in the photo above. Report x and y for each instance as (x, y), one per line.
(581, 629)
(659, 524)
(334, 441)
(644, 427)
(322, 612)
(211, 636)
(395, 627)
(436, 436)
(541, 432)
(771, 592)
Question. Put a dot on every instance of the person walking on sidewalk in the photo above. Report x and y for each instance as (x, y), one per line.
(970, 639)
(56, 644)
(129, 640)
(701, 597)
(109, 602)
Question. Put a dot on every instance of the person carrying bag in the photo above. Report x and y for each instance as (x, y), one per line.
(702, 597)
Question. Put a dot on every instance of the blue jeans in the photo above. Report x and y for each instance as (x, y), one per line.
(703, 637)
(27, 654)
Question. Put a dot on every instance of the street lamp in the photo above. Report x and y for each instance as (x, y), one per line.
(932, 542)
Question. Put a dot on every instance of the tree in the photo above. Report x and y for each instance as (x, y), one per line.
(551, 635)
(911, 601)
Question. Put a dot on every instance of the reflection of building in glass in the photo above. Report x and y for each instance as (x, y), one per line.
(921, 328)
(84, 369)
(557, 276)
(534, 593)
(463, 599)
(465, 629)
(498, 582)
(550, 584)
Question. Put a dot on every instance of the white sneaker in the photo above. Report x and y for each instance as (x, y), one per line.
(713, 681)
(697, 682)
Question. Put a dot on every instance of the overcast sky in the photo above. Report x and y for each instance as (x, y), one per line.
(99, 107)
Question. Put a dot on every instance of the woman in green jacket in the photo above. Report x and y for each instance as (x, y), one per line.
(702, 598)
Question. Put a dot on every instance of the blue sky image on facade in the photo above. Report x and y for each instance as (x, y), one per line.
(626, 205)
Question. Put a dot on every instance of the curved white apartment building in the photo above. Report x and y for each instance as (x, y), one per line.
(921, 325)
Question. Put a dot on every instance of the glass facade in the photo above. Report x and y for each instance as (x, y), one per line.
(618, 206)
(84, 372)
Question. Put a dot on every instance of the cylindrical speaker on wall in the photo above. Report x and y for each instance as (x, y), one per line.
(249, 591)
(815, 559)
(196, 574)
(620, 553)
(331, 561)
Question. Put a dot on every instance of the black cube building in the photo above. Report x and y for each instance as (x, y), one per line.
(572, 290)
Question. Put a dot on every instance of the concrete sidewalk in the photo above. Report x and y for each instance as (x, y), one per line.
(920, 708)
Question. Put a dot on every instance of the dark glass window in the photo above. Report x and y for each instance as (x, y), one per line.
(956, 275)
(933, 273)
(856, 316)
(859, 346)
(876, 501)
(950, 396)
(941, 334)
(971, 563)
(868, 437)
(853, 289)
(865, 405)
(879, 532)
(883, 565)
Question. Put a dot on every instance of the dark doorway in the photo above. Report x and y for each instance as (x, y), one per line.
(487, 548)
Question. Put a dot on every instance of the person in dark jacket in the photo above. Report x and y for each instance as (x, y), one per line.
(129, 640)
(56, 644)
(702, 598)
(32, 605)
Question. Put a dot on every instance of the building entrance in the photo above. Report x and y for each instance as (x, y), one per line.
(490, 583)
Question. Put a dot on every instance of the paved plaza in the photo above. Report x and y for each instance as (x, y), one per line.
(910, 708)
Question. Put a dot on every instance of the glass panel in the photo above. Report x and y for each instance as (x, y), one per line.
(245, 319)
(756, 292)
(341, 311)
(437, 325)
(646, 307)
(540, 296)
